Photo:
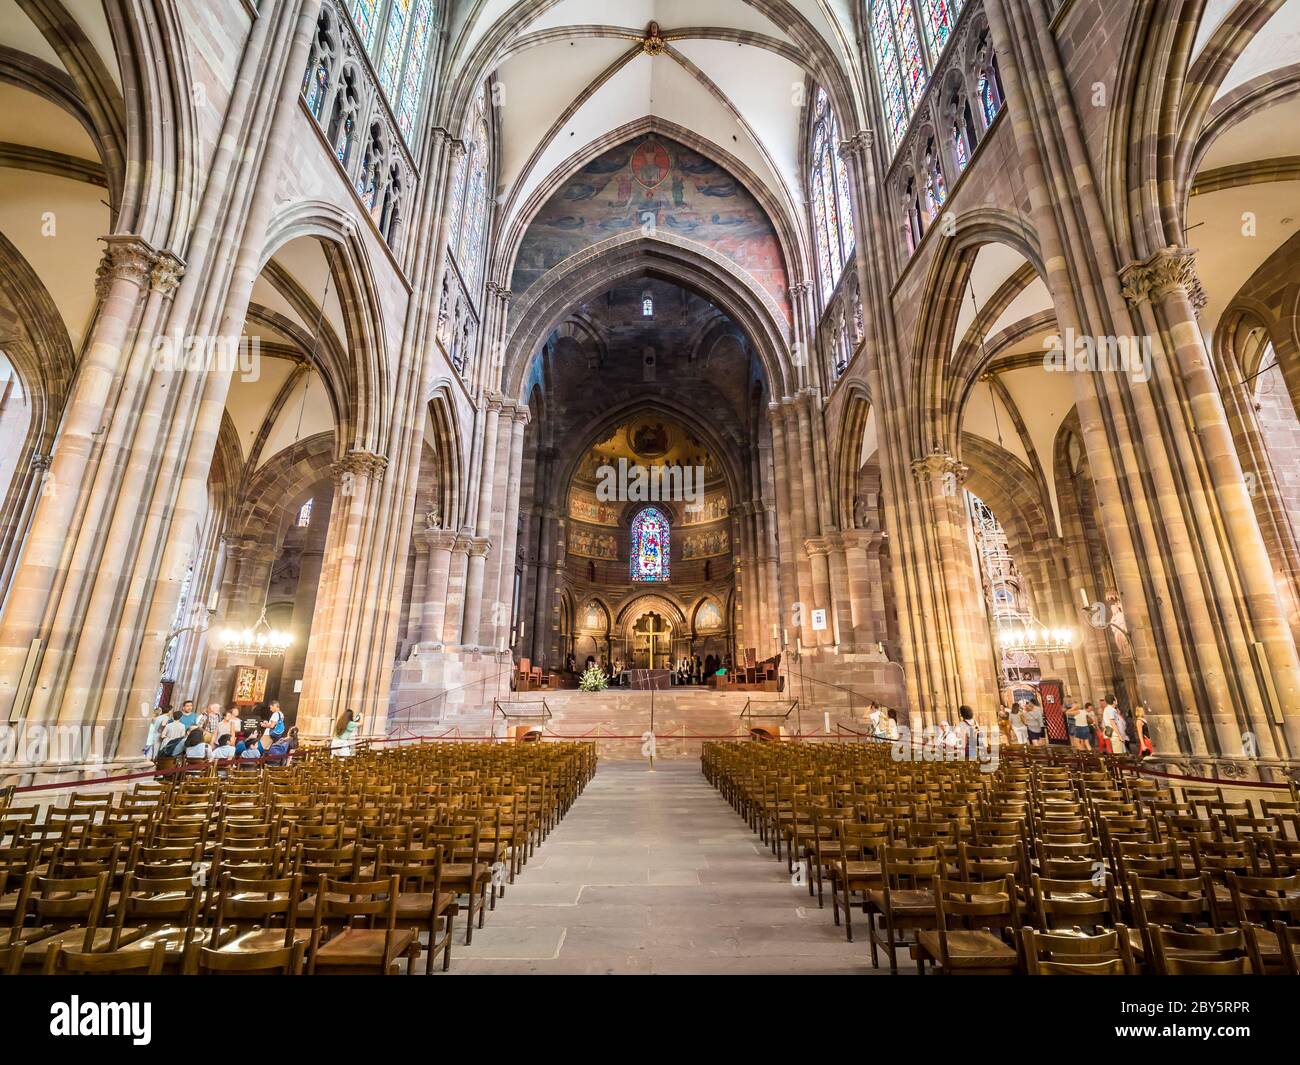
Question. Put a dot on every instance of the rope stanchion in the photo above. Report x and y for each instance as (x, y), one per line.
(192, 768)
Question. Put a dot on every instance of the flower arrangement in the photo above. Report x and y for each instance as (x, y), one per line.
(593, 680)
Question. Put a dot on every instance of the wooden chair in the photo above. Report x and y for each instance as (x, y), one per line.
(905, 899)
(255, 914)
(1260, 902)
(462, 871)
(65, 960)
(1069, 954)
(422, 905)
(276, 961)
(974, 921)
(340, 945)
(856, 867)
(1200, 953)
(64, 912)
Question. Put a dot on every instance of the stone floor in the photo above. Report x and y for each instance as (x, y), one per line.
(652, 872)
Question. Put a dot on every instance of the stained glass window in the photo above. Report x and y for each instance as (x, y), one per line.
(900, 62)
(891, 82)
(988, 99)
(650, 546)
(939, 15)
(959, 147)
(909, 51)
(829, 192)
(417, 58)
(396, 34)
(648, 307)
(475, 226)
(455, 196)
(316, 97)
(365, 17)
(304, 514)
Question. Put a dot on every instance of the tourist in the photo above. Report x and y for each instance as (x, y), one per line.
(1076, 725)
(189, 717)
(230, 722)
(1142, 732)
(875, 719)
(1034, 722)
(152, 740)
(275, 720)
(279, 749)
(967, 731)
(1114, 728)
(248, 742)
(224, 750)
(891, 724)
(171, 740)
(1016, 723)
(196, 747)
(345, 729)
(212, 721)
(252, 750)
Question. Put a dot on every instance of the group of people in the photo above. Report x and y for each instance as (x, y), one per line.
(220, 735)
(698, 670)
(1107, 730)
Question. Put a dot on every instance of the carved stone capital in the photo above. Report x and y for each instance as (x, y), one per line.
(939, 465)
(1170, 271)
(126, 258)
(857, 143)
(479, 547)
(817, 545)
(436, 539)
(359, 463)
(166, 273)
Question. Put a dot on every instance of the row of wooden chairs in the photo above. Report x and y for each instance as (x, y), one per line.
(340, 865)
(952, 863)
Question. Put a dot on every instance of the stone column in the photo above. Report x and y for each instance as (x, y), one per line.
(841, 594)
(488, 457)
(437, 544)
(1167, 279)
(962, 657)
(124, 284)
(546, 568)
(336, 670)
(454, 612)
(498, 612)
(479, 548)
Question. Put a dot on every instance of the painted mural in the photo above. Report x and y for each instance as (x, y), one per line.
(654, 181)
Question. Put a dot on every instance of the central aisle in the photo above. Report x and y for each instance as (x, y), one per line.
(652, 872)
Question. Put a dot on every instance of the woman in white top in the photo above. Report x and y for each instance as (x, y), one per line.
(345, 730)
(1016, 719)
(154, 739)
(1114, 727)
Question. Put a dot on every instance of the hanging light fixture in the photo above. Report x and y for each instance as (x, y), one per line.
(1030, 636)
(259, 640)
